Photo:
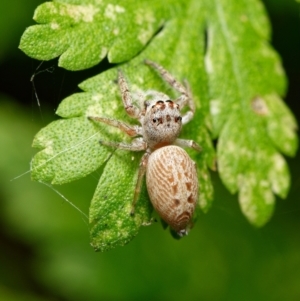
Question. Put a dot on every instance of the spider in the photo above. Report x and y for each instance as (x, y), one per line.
(171, 176)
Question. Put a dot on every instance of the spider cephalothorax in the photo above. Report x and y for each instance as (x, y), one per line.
(162, 123)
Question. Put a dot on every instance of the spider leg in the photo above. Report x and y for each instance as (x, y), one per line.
(138, 144)
(131, 110)
(186, 95)
(190, 101)
(130, 130)
(168, 77)
(188, 143)
(186, 99)
(141, 174)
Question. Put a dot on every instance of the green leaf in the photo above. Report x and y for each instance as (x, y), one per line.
(220, 47)
(83, 32)
(248, 115)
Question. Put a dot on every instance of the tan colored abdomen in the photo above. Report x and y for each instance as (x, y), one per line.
(172, 185)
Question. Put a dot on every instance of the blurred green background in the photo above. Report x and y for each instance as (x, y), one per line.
(45, 252)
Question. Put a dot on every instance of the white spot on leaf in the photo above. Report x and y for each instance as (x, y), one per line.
(79, 12)
(54, 26)
(214, 107)
(49, 147)
(268, 197)
(246, 197)
(97, 110)
(145, 20)
(142, 16)
(259, 106)
(202, 201)
(97, 97)
(232, 146)
(112, 11)
(279, 176)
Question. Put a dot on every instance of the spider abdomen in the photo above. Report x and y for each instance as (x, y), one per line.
(172, 185)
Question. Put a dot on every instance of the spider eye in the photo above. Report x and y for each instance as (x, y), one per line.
(154, 120)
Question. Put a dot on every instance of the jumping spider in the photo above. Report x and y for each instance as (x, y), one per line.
(171, 175)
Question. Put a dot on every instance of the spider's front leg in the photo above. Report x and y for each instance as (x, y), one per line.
(130, 130)
(168, 77)
(137, 145)
(186, 96)
(131, 110)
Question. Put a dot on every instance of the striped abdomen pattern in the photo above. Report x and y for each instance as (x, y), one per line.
(172, 185)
